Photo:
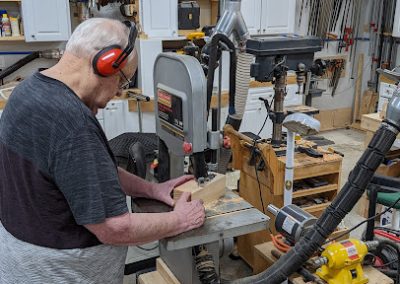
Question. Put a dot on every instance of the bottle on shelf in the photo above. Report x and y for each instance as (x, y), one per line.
(1, 16)
(6, 26)
(15, 26)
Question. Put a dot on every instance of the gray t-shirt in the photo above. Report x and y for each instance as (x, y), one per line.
(57, 173)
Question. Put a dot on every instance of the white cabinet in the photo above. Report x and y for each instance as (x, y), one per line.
(116, 119)
(385, 93)
(396, 23)
(148, 50)
(251, 11)
(269, 16)
(46, 20)
(159, 18)
(255, 111)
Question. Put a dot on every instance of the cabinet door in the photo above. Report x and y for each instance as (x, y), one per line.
(148, 50)
(114, 118)
(46, 20)
(159, 18)
(292, 99)
(278, 16)
(251, 11)
(256, 113)
(396, 23)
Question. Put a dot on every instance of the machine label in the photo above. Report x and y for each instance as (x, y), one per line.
(288, 224)
(351, 250)
(170, 113)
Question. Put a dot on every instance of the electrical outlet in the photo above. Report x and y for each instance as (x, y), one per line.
(2, 62)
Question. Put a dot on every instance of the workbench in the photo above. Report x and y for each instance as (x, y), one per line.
(228, 217)
(266, 186)
(370, 124)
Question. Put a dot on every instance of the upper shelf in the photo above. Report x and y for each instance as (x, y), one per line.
(12, 38)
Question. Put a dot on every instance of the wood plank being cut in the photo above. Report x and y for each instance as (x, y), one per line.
(165, 272)
(209, 192)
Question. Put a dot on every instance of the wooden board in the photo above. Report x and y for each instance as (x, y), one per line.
(369, 101)
(334, 118)
(374, 276)
(2, 103)
(152, 278)
(291, 80)
(165, 272)
(211, 191)
(149, 106)
(357, 90)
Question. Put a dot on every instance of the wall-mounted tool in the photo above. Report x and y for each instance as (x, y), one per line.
(188, 15)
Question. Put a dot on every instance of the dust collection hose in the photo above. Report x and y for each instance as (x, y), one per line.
(20, 63)
(244, 61)
(216, 39)
(341, 205)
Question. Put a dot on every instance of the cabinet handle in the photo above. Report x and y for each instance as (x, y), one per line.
(33, 36)
(258, 30)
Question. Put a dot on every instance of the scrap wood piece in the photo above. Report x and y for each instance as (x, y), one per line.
(209, 192)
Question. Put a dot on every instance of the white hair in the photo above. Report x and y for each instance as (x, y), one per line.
(95, 34)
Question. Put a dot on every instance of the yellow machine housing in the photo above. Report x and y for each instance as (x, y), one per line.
(344, 262)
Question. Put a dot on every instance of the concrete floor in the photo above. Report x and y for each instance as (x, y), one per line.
(347, 141)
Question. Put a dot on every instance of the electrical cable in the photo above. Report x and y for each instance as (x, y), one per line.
(266, 118)
(279, 243)
(366, 220)
(148, 249)
(396, 232)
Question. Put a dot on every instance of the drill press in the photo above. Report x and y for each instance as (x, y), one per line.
(274, 57)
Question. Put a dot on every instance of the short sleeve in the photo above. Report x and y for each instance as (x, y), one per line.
(86, 174)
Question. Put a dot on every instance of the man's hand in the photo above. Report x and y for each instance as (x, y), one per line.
(162, 191)
(191, 214)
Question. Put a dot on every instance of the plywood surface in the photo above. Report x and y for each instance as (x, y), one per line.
(209, 192)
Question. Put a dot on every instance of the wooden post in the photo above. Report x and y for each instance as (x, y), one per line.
(357, 91)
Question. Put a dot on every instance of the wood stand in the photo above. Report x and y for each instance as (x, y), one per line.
(266, 186)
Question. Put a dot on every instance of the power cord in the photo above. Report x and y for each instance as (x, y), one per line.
(366, 220)
(268, 107)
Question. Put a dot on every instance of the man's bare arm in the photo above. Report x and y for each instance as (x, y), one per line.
(139, 228)
(133, 185)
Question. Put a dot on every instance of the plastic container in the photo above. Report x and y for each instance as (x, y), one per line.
(1, 16)
(15, 26)
(6, 26)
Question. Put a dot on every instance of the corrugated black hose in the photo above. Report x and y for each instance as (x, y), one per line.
(20, 63)
(212, 64)
(333, 215)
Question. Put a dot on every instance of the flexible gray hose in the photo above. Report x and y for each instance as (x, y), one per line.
(242, 83)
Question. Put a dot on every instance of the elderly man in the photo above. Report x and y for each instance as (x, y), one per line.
(63, 211)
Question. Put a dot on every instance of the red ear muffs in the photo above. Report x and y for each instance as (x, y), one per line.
(103, 62)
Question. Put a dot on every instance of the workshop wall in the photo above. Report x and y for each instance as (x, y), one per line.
(344, 95)
(109, 11)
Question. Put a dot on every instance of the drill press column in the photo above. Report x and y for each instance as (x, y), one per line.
(279, 116)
